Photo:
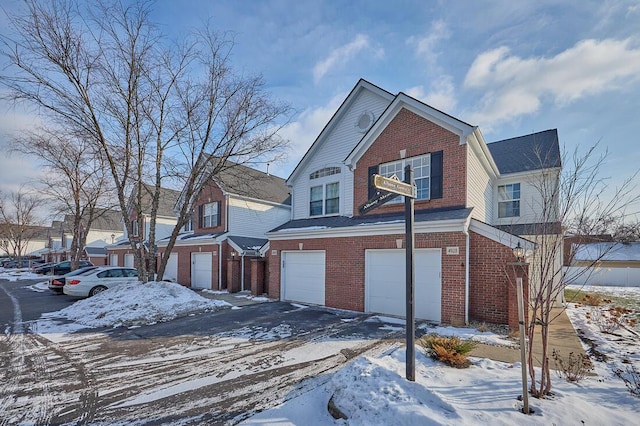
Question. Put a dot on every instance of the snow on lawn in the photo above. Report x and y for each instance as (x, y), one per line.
(374, 391)
(136, 304)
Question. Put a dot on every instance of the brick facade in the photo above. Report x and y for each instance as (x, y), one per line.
(410, 132)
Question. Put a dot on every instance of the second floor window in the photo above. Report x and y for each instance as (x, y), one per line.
(188, 227)
(324, 199)
(509, 200)
(421, 173)
(209, 215)
(135, 229)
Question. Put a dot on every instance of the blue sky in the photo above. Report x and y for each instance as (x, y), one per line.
(509, 67)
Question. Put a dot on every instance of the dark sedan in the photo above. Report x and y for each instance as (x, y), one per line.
(57, 283)
(60, 268)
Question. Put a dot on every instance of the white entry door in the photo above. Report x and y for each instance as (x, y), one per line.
(201, 264)
(171, 270)
(385, 283)
(303, 277)
(128, 260)
(113, 259)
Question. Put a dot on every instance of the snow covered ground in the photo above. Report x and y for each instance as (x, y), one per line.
(372, 390)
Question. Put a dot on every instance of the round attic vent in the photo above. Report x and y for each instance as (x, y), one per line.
(365, 121)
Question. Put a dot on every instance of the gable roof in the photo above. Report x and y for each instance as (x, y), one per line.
(536, 151)
(241, 180)
(404, 101)
(361, 85)
(168, 198)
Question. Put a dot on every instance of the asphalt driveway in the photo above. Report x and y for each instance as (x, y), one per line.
(211, 368)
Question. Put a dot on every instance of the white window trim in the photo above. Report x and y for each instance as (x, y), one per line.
(323, 184)
(400, 175)
(212, 223)
(510, 200)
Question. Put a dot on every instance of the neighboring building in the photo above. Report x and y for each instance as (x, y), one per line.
(35, 239)
(222, 245)
(469, 194)
(606, 264)
(104, 230)
(120, 253)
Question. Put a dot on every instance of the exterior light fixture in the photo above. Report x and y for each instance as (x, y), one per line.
(518, 252)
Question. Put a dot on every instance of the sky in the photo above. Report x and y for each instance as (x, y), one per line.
(511, 68)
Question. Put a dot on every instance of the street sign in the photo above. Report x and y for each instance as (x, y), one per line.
(379, 199)
(393, 184)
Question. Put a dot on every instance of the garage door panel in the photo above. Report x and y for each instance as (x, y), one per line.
(171, 270)
(304, 277)
(201, 270)
(386, 283)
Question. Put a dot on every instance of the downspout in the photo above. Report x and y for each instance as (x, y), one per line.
(219, 265)
(242, 270)
(466, 272)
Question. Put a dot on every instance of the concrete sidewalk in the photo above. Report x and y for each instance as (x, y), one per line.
(562, 337)
(239, 299)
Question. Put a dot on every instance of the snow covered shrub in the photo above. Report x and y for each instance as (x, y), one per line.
(573, 368)
(631, 379)
(452, 351)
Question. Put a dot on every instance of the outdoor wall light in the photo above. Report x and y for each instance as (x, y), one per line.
(518, 252)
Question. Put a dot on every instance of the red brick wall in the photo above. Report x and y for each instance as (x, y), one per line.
(492, 282)
(345, 268)
(184, 262)
(418, 136)
(211, 193)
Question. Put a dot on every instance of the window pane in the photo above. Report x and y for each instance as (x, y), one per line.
(316, 193)
(332, 204)
(333, 190)
(422, 186)
(315, 208)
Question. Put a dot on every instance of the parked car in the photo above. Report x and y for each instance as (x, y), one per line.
(24, 263)
(90, 283)
(56, 284)
(60, 268)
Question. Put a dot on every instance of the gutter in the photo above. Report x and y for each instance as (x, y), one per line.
(466, 270)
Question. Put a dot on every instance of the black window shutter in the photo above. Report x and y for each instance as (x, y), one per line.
(436, 175)
(372, 190)
(200, 218)
(219, 215)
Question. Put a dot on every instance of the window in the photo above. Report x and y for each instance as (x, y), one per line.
(209, 215)
(134, 228)
(421, 174)
(327, 171)
(509, 200)
(188, 226)
(324, 199)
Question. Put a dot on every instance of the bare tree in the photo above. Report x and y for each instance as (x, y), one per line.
(75, 180)
(19, 221)
(154, 110)
(578, 202)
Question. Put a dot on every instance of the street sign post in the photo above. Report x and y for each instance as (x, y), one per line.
(389, 188)
(395, 185)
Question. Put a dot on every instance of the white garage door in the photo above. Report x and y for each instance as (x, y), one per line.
(386, 283)
(171, 270)
(113, 260)
(201, 264)
(303, 276)
(128, 260)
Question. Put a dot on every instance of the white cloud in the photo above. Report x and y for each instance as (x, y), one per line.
(426, 46)
(303, 131)
(340, 56)
(516, 86)
(441, 94)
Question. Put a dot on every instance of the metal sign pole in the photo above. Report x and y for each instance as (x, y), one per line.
(410, 278)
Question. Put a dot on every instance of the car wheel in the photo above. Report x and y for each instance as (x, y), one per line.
(96, 290)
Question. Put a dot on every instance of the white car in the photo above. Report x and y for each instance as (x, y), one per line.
(97, 280)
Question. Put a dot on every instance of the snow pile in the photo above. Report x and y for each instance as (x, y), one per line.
(18, 274)
(136, 304)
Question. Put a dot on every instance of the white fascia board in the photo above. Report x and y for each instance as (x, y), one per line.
(394, 228)
(258, 200)
(528, 173)
(235, 246)
(341, 111)
(479, 145)
(499, 236)
(423, 110)
(264, 249)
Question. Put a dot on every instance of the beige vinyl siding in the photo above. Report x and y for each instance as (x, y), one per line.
(479, 185)
(339, 142)
(252, 218)
(531, 201)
